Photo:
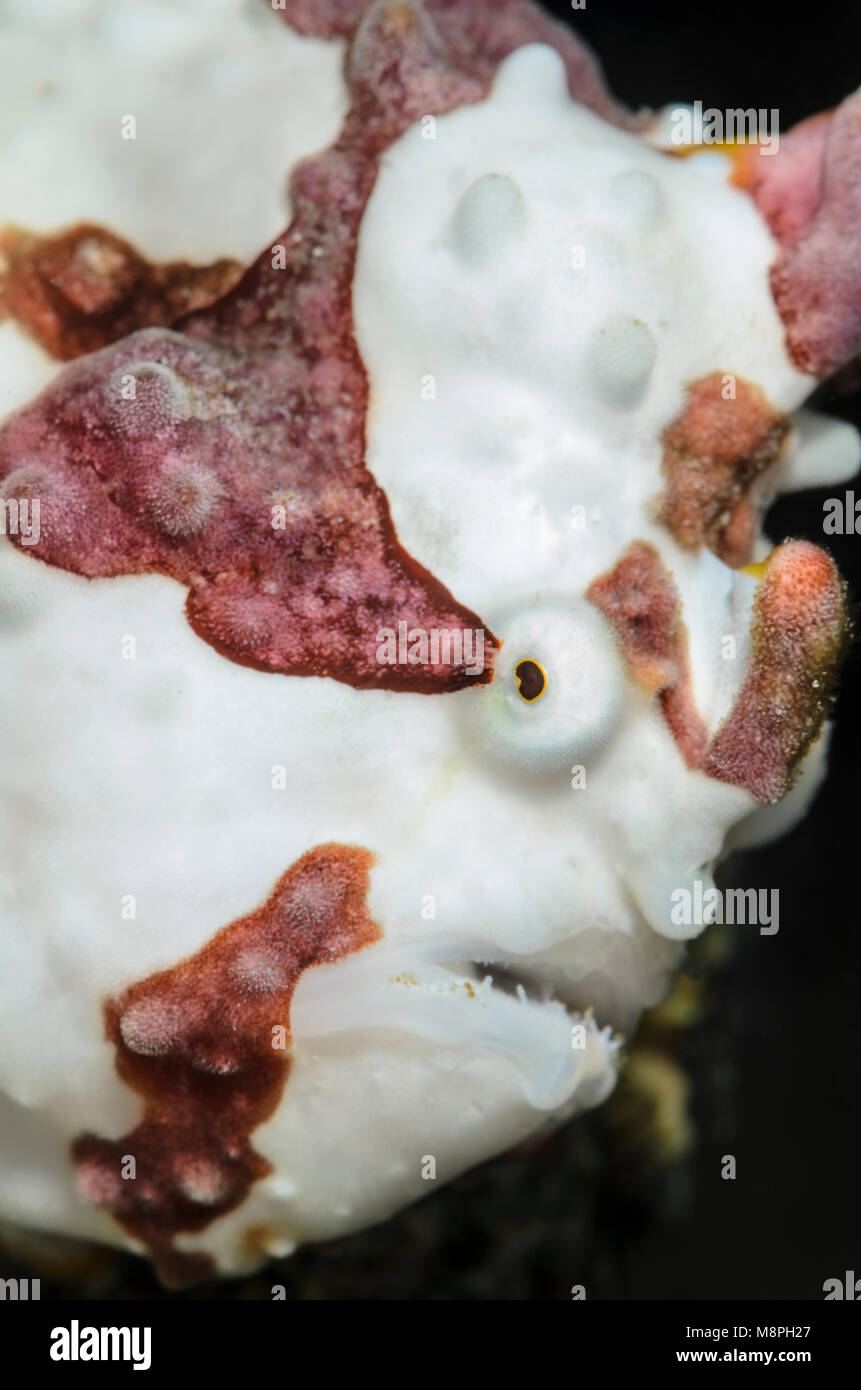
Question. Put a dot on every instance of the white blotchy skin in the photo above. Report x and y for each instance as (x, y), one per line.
(153, 776)
(226, 99)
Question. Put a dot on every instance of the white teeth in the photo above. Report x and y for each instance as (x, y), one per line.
(402, 990)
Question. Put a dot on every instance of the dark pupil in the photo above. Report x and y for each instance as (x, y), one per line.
(530, 678)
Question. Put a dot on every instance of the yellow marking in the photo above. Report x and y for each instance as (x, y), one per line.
(530, 661)
(758, 569)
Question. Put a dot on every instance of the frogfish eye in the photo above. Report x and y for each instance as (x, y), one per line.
(557, 691)
(531, 680)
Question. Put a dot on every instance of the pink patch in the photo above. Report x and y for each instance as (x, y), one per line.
(810, 194)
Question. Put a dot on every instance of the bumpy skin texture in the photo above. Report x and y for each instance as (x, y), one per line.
(510, 369)
(473, 38)
(82, 289)
(812, 200)
(196, 1042)
(260, 404)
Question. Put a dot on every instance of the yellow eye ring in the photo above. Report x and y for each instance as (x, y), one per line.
(531, 680)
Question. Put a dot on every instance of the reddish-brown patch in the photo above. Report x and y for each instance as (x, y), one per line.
(476, 36)
(202, 1044)
(810, 195)
(713, 452)
(83, 288)
(641, 602)
(799, 635)
(238, 467)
